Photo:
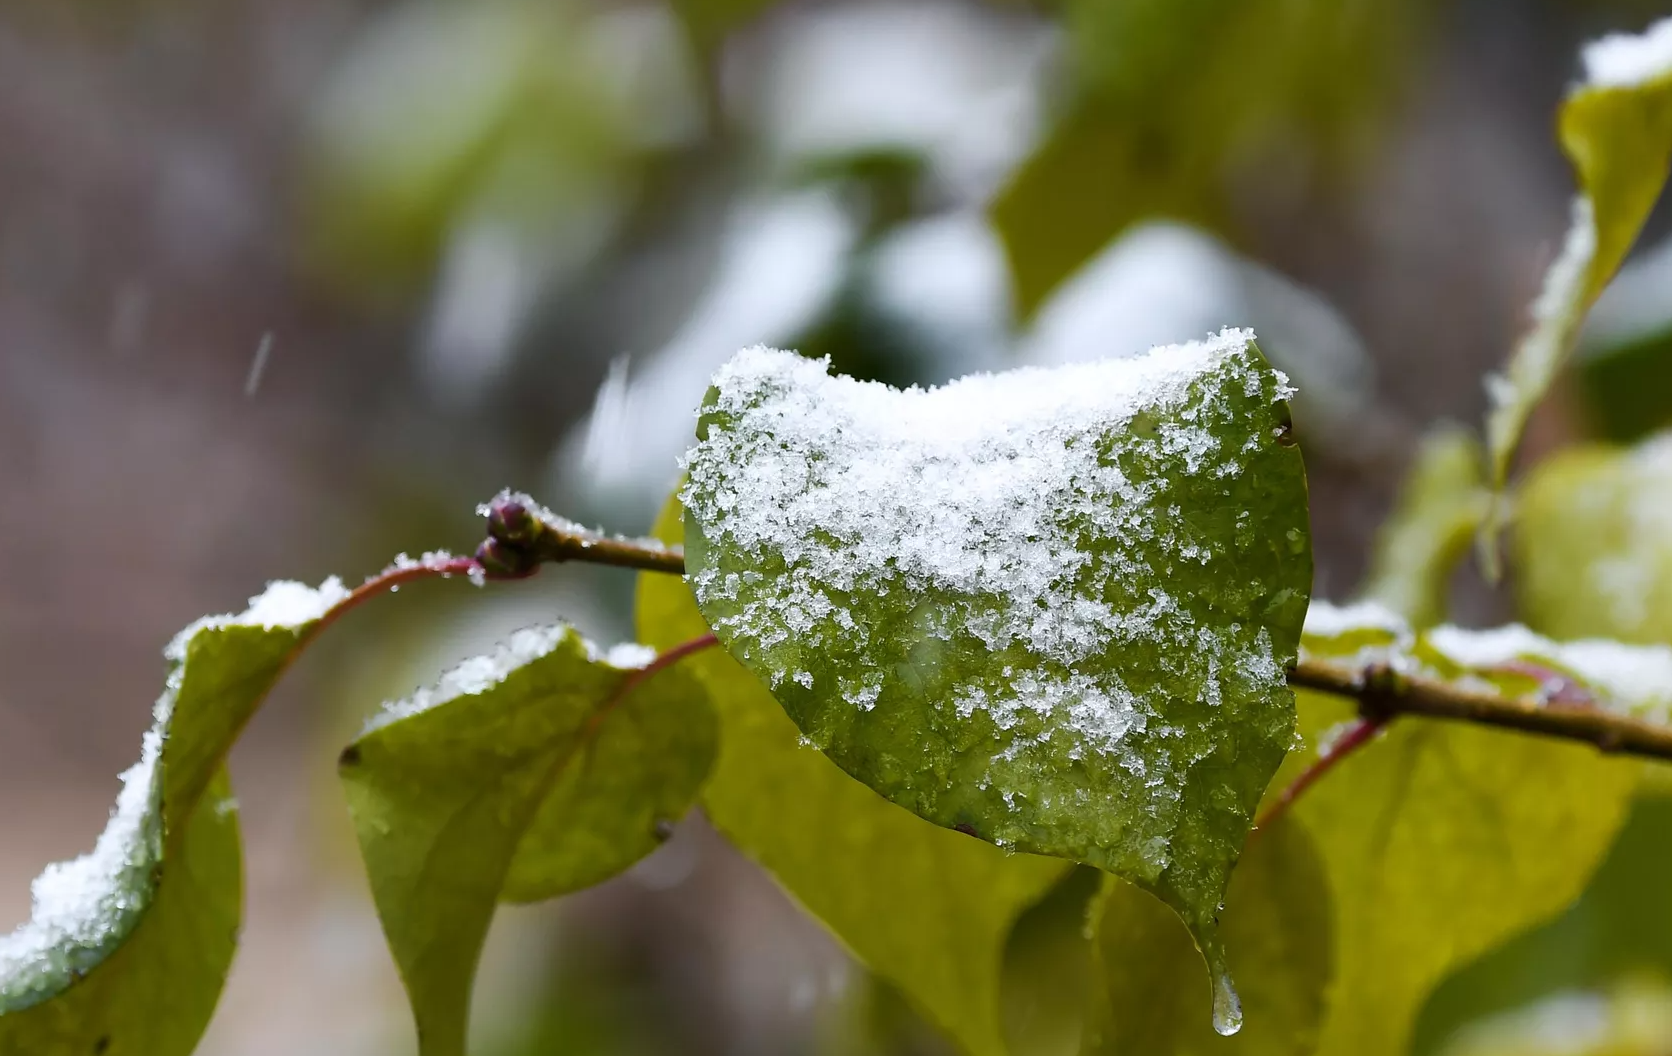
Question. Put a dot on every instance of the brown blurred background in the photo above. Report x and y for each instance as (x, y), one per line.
(286, 288)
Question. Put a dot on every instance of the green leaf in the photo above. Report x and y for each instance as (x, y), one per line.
(541, 769)
(1179, 100)
(1592, 543)
(128, 946)
(925, 908)
(1436, 843)
(1051, 979)
(1277, 929)
(1439, 510)
(1051, 608)
(1616, 129)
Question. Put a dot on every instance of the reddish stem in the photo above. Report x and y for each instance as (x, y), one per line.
(396, 576)
(1358, 733)
(666, 658)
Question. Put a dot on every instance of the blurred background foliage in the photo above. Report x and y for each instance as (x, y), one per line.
(505, 242)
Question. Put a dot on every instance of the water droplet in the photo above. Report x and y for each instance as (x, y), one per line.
(1227, 1006)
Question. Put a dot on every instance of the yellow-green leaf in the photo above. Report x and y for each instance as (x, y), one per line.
(1616, 129)
(1592, 543)
(1439, 510)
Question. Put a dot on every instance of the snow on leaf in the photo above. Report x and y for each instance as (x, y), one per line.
(923, 907)
(112, 931)
(1593, 543)
(1616, 128)
(1052, 608)
(1634, 680)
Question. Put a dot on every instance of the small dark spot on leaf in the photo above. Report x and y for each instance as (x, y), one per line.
(1285, 431)
(102, 1045)
(967, 829)
(663, 829)
(350, 756)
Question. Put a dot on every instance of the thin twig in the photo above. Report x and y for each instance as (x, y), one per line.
(1420, 695)
(520, 539)
(1359, 732)
(398, 575)
(522, 536)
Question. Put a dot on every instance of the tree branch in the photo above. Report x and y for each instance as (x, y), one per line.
(522, 536)
(1383, 694)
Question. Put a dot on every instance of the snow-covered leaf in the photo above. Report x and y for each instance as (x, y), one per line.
(1051, 608)
(1592, 543)
(540, 769)
(128, 946)
(925, 908)
(1616, 128)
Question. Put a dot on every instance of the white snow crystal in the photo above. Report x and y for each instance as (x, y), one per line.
(1636, 679)
(480, 673)
(1628, 60)
(978, 489)
(1327, 620)
(285, 603)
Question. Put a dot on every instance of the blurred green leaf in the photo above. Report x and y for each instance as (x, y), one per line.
(1180, 100)
(1616, 129)
(1592, 543)
(926, 908)
(1627, 388)
(1439, 509)
(537, 771)
(709, 22)
(899, 582)
(1051, 981)
(1277, 928)
(1619, 928)
(441, 116)
(129, 945)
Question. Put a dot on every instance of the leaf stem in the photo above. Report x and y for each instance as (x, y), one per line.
(399, 574)
(662, 661)
(1358, 732)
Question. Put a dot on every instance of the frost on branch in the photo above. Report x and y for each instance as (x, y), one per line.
(1051, 608)
(1632, 680)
